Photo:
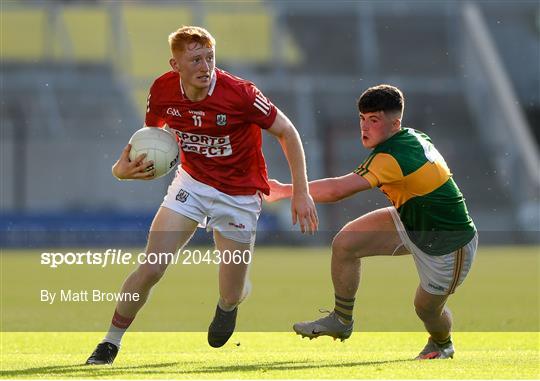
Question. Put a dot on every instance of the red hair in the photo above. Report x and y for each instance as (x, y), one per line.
(188, 34)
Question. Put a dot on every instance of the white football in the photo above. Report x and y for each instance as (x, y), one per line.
(159, 145)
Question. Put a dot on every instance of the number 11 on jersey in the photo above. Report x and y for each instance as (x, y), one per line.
(197, 120)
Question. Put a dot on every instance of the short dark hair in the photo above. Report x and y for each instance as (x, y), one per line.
(381, 98)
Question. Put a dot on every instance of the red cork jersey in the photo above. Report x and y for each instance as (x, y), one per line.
(219, 137)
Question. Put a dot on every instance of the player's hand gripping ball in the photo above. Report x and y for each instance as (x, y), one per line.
(159, 145)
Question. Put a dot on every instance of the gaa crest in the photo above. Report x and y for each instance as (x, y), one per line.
(182, 196)
(221, 119)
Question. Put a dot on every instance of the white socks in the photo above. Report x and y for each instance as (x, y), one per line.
(114, 336)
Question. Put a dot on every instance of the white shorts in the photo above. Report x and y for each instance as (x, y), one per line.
(439, 275)
(235, 217)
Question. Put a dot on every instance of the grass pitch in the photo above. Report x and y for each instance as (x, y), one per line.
(496, 321)
(271, 355)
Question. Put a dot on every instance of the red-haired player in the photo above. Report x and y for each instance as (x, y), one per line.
(218, 118)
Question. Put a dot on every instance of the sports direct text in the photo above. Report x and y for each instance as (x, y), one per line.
(119, 257)
(209, 146)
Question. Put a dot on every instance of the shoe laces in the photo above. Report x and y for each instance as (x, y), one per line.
(330, 315)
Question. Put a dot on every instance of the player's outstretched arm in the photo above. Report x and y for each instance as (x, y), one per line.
(302, 206)
(324, 190)
(124, 169)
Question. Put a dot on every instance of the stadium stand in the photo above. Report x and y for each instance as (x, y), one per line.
(87, 67)
(246, 34)
(146, 42)
(24, 31)
(88, 34)
(146, 31)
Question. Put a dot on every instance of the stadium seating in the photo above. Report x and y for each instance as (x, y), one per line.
(116, 49)
(24, 31)
(88, 34)
(148, 49)
(147, 41)
(246, 36)
(241, 36)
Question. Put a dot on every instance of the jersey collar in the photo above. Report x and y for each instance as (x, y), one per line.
(210, 90)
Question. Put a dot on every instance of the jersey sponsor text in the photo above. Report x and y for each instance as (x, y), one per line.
(209, 146)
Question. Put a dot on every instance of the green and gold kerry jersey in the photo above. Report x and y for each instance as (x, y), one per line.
(414, 176)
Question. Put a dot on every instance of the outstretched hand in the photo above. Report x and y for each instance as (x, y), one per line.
(278, 191)
(304, 212)
(138, 169)
(303, 209)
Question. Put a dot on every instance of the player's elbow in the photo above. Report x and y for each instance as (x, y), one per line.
(334, 194)
(338, 195)
(340, 188)
(338, 191)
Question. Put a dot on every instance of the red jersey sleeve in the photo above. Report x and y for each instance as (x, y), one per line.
(153, 115)
(259, 110)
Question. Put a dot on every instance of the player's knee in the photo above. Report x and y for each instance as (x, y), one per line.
(344, 248)
(150, 275)
(338, 247)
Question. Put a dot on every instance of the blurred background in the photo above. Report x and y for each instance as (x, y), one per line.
(75, 76)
